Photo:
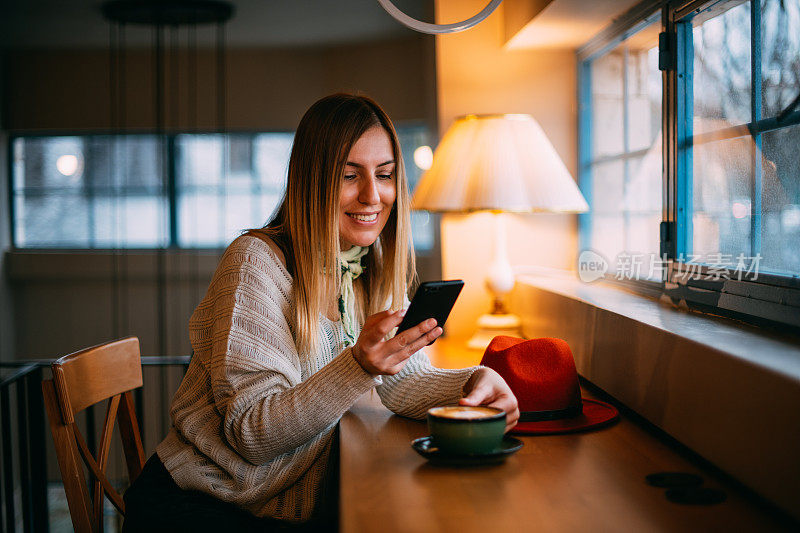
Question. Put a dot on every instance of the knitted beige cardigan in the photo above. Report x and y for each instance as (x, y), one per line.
(253, 420)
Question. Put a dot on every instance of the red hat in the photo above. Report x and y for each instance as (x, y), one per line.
(542, 375)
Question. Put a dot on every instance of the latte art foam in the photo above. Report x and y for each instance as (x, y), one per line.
(464, 412)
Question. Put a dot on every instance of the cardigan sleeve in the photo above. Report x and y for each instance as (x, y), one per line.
(420, 386)
(254, 367)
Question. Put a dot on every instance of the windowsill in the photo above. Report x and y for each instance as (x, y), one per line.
(757, 346)
(728, 391)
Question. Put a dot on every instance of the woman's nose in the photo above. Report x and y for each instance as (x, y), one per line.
(368, 195)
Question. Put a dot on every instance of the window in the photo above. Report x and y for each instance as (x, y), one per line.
(724, 138)
(621, 158)
(145, 191)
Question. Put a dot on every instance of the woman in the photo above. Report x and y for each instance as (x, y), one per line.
(295, 326)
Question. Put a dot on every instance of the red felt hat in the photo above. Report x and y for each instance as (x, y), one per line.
(543, 377)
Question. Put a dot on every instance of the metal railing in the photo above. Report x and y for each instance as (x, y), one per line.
(29, 477)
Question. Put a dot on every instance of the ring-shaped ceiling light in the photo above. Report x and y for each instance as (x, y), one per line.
(425, 27)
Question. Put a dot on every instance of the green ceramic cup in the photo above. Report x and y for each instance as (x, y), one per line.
(465, 430)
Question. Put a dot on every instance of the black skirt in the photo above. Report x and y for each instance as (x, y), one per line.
(154, 502)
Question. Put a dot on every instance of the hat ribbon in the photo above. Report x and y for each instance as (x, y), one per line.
(555, 414)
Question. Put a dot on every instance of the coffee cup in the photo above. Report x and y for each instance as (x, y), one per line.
(466, 430)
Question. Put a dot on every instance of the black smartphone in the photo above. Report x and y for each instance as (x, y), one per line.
(433, 299)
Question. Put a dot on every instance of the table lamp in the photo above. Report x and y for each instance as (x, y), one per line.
(497, 163)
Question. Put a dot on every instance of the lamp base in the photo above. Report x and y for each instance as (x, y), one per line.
(492, 325)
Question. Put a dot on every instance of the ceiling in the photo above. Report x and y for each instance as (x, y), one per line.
(256, 23)
(568, 23)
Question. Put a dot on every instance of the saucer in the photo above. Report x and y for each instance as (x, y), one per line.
(425, 447)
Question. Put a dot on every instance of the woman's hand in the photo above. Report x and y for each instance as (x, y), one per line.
(378, 356)
(487, 387)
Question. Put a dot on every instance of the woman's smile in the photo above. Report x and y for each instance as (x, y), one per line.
(365, 218)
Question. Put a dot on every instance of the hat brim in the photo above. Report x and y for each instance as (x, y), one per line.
(595, 414)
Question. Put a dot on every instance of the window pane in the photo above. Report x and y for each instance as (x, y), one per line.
(129, 161)
(129, 221)
(130, 206)
(199, 220)
(721, 79)
(199, 161)
(59, 220)
(608, 236)
(272, 161)
(780, 54)
(643, 202)
(626, 169)
(608, 87)
(644, 91)
(272, 152)
(52, 163)
(608, 187)
(780, 230)
(422, 230)
(722, 195)
(411, 138)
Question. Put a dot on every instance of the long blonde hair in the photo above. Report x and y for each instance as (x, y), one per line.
(306, 225)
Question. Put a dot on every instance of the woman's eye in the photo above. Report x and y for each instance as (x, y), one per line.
(385, 176)
(350, 176)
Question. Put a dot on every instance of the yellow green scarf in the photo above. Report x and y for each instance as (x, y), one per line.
(350, 267)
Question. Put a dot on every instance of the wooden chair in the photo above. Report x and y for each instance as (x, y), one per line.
(105, 372)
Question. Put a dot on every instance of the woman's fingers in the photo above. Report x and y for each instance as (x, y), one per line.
(390, 322)
(378, 356)
(487, 387)
(482, 394)
(380, 324)
(410, 349)
(411, 335)
(512, 419)
(509, 405)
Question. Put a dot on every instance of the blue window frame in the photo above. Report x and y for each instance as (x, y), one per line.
(733, 225)
(730, 220)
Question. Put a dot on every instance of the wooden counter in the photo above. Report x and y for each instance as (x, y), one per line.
(583, 482)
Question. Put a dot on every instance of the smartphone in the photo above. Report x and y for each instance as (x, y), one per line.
(433, 299)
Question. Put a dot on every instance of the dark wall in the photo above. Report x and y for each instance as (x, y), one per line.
(68, 301)
(266, 89)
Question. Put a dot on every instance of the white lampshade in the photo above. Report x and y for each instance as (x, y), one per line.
(497, 163)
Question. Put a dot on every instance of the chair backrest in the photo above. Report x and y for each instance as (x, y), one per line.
(106, 372)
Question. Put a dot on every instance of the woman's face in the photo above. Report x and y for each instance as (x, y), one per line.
(368, 189)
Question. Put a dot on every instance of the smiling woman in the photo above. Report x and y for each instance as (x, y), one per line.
(292, 331)
(346, 165)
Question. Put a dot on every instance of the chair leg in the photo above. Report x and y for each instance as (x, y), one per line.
(131, 440)
(68, 463)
